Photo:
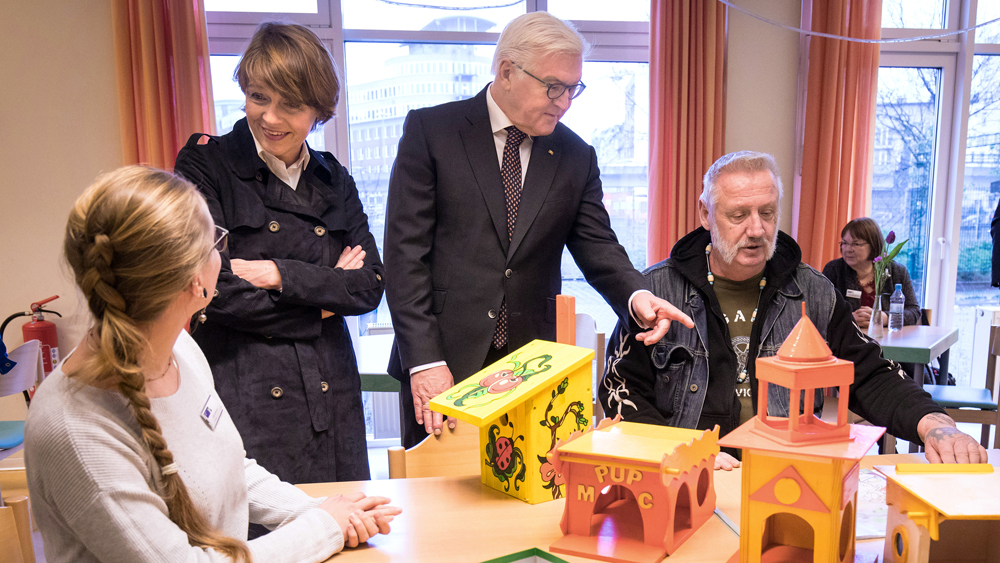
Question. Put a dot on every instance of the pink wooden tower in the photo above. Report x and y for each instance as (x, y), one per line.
(800, 474)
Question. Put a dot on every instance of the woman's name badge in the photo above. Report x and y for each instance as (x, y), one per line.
(853, 294)
(211, 413)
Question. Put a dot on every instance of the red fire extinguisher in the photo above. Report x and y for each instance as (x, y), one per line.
(40, 329)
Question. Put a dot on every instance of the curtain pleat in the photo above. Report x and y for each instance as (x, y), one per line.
(687, 121)
(839, 125)
(164, 78)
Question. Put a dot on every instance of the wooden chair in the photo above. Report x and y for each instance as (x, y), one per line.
(455, 453)
(978, 406)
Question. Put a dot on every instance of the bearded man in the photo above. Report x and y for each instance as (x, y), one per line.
(742, 281)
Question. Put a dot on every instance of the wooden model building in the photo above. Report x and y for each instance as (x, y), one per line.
(522, 405)
(800, 474)
(635, 492)
(941, 513)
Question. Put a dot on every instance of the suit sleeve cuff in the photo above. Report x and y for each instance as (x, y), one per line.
(631, 311)
(424, 367)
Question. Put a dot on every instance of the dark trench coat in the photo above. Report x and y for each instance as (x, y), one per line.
(288, 377)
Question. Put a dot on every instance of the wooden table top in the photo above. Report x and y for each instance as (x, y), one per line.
(456, 519)
(917, 344)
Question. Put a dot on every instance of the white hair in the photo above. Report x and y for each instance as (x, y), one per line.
(536, 34)
(747, 162)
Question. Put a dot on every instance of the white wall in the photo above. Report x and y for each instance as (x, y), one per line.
(762, 82)
(58, 131)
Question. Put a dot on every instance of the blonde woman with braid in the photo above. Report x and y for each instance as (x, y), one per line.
(130, 454)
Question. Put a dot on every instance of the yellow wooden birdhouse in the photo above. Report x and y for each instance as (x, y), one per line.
(800, 474)
(523, 405)
(942, 512)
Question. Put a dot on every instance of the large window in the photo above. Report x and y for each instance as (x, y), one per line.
(937, 157)
(400, 55)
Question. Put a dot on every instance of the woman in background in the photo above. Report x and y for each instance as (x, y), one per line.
(130, 455)
(300, 258)
(854, 274)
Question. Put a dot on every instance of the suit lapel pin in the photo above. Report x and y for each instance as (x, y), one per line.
(550, 152)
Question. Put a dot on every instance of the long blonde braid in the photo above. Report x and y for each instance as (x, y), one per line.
(135, 239)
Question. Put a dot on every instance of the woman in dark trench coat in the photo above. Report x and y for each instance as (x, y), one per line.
(300, 257)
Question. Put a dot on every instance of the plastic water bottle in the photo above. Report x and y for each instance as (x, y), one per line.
(896, 301)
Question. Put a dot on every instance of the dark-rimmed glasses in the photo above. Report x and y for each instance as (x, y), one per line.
(855, 245)
(221, 239)
(556, 89)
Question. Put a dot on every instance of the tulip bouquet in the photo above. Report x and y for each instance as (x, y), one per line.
(884, 261)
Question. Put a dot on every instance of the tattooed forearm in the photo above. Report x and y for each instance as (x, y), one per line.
(941, 418)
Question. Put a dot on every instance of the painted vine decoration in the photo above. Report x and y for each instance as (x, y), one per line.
(552, 479)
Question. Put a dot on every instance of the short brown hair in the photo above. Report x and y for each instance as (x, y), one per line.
(291, 60)
(867, 230)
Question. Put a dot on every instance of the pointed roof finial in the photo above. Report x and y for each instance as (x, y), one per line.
(804, 343)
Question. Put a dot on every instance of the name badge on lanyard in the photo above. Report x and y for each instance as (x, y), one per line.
(853, 294)
(211, 413)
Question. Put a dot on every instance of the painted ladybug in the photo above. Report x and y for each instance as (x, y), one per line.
(505, 448)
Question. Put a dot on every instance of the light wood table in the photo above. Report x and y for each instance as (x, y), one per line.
(919, 345)
(458, 520)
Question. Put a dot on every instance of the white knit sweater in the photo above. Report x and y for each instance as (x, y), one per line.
(93, 487)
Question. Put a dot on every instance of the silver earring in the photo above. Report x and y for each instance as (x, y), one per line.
(202, 317)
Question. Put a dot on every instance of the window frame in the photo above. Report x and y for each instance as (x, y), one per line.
(230, 32)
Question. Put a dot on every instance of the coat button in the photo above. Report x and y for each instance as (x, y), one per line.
(324, 386)
(277, 392)
(492, 314)
(260, 177)
(274, 226)
(508, 273)
(320, 231)
(694, 388)
(378, 277)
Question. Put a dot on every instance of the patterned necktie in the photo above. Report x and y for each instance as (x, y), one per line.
(510, 174)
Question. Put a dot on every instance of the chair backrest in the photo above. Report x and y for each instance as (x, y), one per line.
(28, 372)
(991, 361)
(455, 453)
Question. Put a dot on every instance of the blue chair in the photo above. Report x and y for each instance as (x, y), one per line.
(26, 374)
(977, 406)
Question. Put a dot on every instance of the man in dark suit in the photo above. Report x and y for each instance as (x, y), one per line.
(484, 195)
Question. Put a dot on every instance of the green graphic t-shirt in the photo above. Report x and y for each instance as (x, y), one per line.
(738, 299)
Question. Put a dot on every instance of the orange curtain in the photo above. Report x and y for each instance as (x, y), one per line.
(164, 78)
(839, 125)
(687, 113)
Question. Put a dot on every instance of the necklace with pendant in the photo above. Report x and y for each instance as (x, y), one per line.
(742, 377)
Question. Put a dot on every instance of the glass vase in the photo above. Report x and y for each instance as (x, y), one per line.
(875, 328)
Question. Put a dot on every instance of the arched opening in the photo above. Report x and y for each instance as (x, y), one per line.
(787, 538)
(703, 486)
(616, 514)
(682, 512)
(847, 532)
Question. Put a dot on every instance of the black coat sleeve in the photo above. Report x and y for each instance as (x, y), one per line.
(628, 385)
(307, 289)
(881, 393)
(345, 292)
(411, 216)
(596, 250)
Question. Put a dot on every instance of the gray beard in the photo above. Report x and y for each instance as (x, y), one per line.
(727, 252)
